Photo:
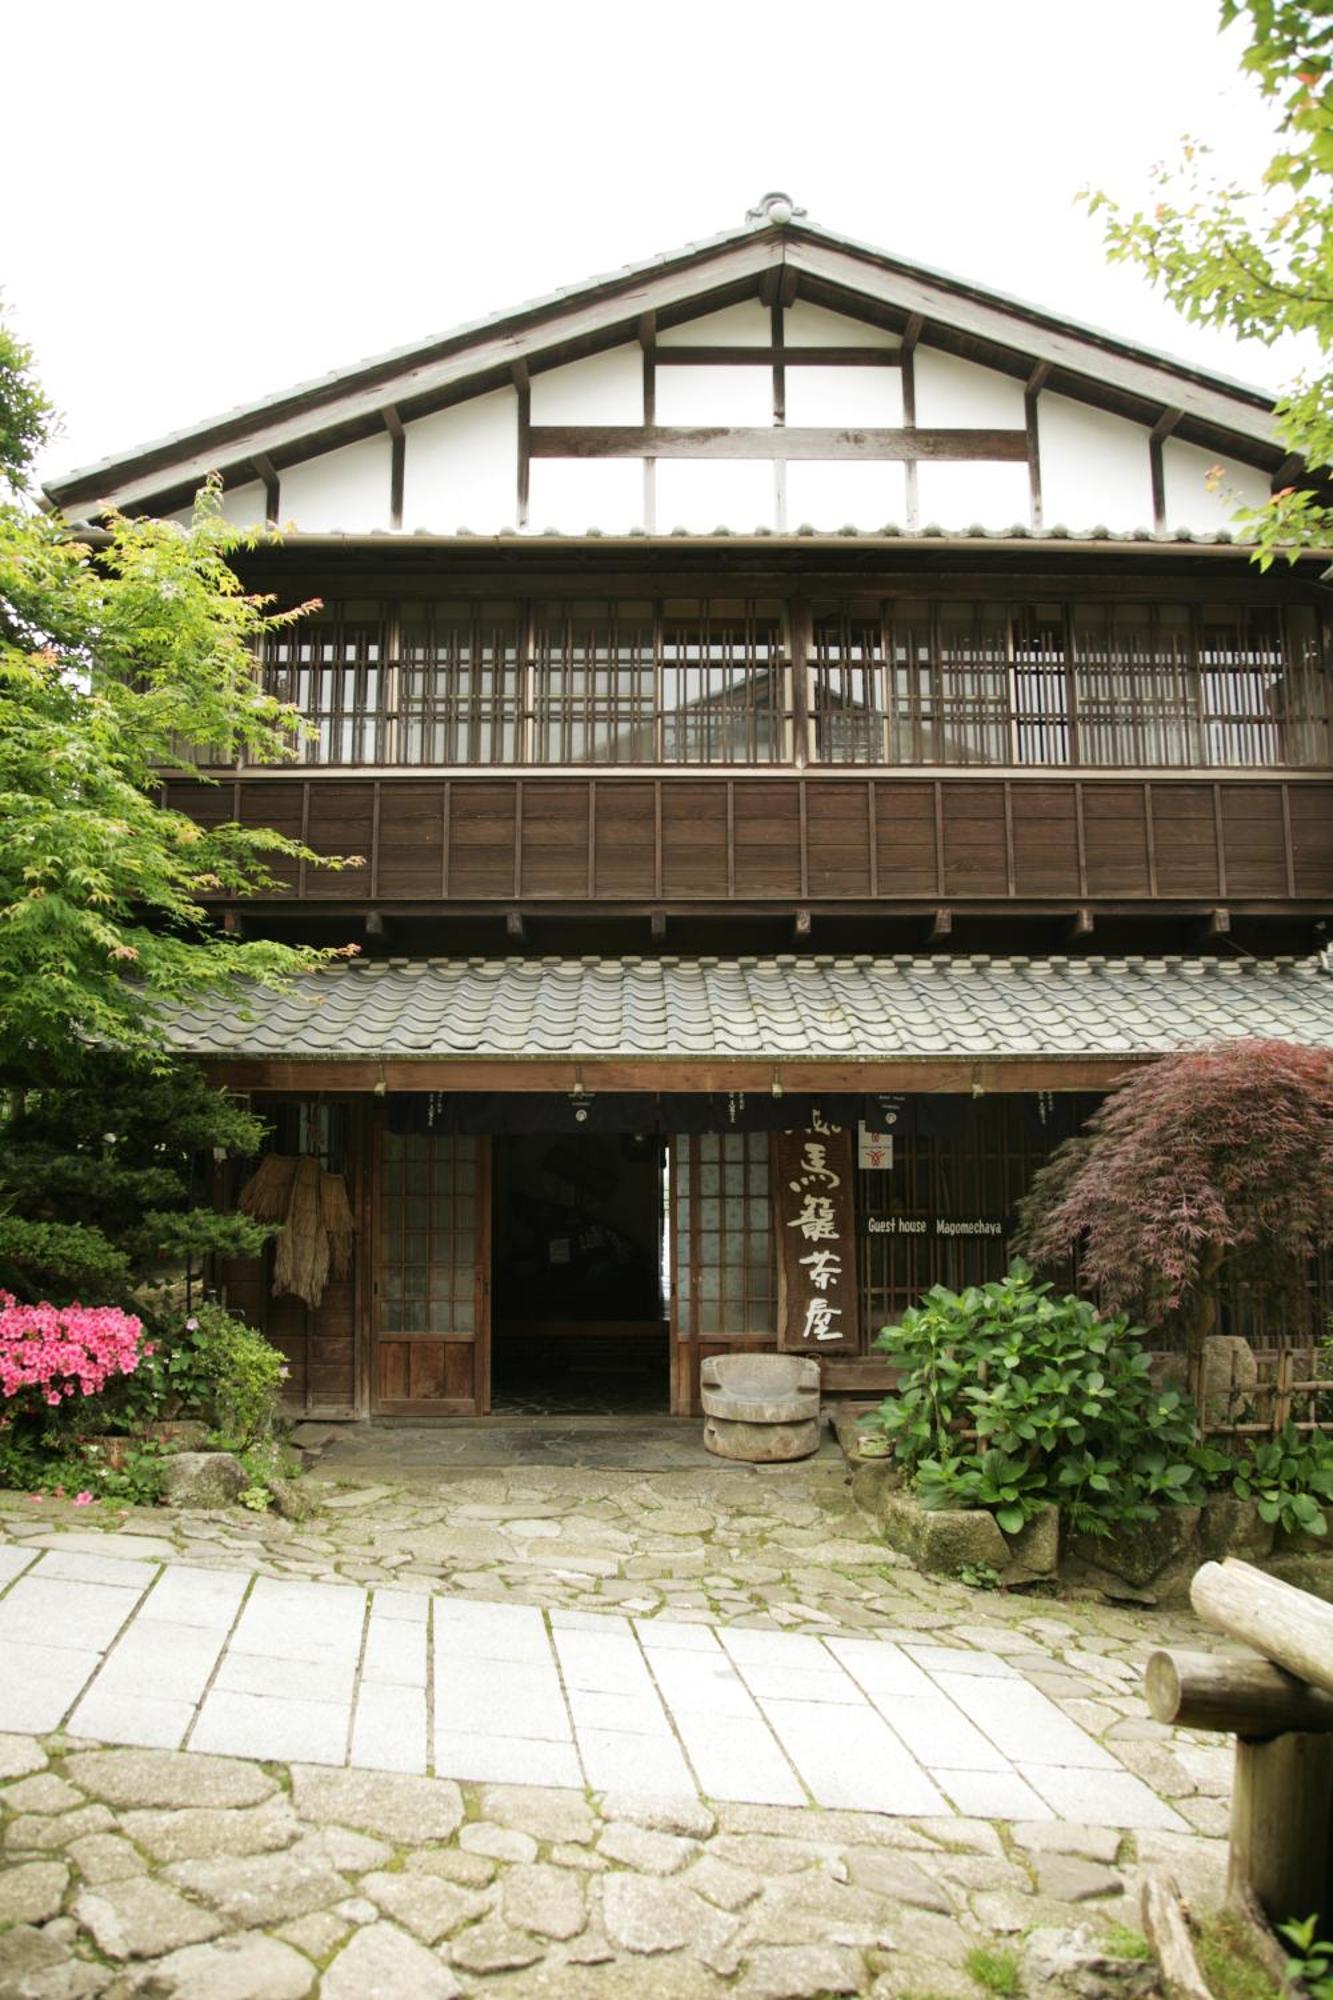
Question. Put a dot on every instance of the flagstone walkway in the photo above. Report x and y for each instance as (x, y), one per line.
(174, 1657)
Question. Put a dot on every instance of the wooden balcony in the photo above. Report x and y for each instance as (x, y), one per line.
(882, 841)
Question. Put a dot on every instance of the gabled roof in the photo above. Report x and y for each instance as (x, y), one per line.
(774, 253)
(852, 1010)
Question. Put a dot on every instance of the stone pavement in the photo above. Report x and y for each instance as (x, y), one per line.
(172, 1657)
(633, 1614)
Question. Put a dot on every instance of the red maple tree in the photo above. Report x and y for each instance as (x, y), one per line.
(1202, 1168)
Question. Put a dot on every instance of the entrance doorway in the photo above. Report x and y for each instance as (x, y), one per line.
(580, 1318)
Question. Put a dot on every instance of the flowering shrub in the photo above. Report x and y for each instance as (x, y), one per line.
(64, 1351)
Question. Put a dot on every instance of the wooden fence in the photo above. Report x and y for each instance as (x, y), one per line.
(1255, 1392)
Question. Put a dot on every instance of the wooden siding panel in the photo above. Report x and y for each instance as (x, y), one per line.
(908, 859)
(482, 834)
(277, 805)
(694, 839)
(838, 840)
(726, 836)
(1312, 838)
(1045, 840)
(1254, 840)
(555, 840)
(1185, 840)
(411, 841)
(626, 842)
(974, 840)
(1116, 837)
(342, 821)
(767, 836)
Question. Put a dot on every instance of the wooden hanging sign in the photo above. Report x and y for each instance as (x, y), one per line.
(818, 1277)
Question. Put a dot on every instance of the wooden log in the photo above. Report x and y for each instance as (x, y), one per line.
(1288, 1626)
(1243, 1697)
(1282, 1826)
(1168, 1933)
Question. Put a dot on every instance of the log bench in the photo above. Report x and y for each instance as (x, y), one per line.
(1279, 1707)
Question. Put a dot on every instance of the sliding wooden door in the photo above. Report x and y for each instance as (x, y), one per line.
(432, 1290)
(723, 1268)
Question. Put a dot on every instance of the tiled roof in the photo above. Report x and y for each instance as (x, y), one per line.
(810, 1008)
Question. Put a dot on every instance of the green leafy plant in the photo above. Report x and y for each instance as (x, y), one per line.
(978, 1576)
(995, 1969)
(1312, 1965)
(1013, 1399)
(235, 1376)
(1290, 1479)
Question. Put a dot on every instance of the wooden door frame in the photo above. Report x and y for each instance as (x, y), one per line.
(479, 1403)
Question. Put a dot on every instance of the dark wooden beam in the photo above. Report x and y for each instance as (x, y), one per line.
(807, 442)
(1160, 431)
(1080, 925)
(1217, 924)
(523, 386)
(629, 1073)
(376, 926)
(1035, 383)
(941, 926)
(233, 923)
(648, 342)
(265, 470)
(911, 335)
(393, 424)
(799, 357)
(657, 925)
(514, 926)
(788, 286)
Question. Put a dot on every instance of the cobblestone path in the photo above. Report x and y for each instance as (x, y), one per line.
(706, 1608)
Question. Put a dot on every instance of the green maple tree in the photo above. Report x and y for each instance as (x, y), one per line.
(1259, 261)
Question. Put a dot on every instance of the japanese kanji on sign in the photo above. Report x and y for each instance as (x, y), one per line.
(819, 1284)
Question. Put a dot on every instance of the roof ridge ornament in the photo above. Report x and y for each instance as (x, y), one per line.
(775, 208)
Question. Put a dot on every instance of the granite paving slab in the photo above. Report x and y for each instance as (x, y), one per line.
(168, 1656)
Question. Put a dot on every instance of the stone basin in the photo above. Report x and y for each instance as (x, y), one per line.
(760, 1388)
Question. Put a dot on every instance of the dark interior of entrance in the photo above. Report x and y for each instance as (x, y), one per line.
(579, 1318)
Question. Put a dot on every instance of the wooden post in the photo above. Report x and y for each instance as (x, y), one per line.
(1282, 1826)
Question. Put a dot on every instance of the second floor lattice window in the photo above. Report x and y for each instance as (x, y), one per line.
(952, 683)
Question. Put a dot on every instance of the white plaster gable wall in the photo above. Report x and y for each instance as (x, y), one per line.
(461, 467)
(990, 494)
(1095, 470)
(745, 325)
(860, 398)
(814, 326)
(715, 493)
(570, 495)
(461, 464)
(244, 505)
(725, 395)
(604, 389)
(830, 494)
(574, 494)
(1190, 504)
(345, 490)
(958, 393)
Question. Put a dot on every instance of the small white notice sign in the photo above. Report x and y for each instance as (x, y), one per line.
(874, 1149)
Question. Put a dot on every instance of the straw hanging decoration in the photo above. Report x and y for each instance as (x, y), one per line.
(317, 1224)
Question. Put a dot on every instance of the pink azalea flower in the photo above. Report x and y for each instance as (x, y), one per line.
(84, 1499)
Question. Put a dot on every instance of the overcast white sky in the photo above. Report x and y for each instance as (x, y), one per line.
(208, 200)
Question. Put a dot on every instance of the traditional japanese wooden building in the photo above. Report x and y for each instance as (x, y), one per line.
(808, 730)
